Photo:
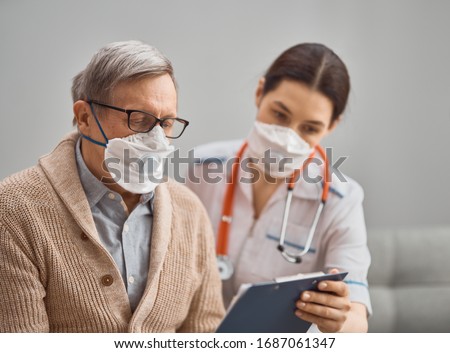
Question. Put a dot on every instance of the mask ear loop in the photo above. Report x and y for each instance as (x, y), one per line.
(99, 126)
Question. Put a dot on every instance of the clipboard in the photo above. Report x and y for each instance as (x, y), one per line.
(269, 307)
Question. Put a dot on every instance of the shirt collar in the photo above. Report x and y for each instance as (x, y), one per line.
(93, 187)
(95, 190)
(148, 198)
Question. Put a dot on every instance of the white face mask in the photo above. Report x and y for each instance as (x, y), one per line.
(136, 162)
(285, 145)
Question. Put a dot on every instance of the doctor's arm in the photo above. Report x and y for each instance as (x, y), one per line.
(333, 308)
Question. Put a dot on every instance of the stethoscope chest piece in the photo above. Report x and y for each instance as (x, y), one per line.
(225, 267)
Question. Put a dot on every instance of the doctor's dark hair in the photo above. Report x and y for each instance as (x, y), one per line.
(316, 66)
(116, 63)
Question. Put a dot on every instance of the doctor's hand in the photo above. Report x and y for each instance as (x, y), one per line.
(328, 308)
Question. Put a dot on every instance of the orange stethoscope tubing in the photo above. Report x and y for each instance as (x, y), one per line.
(227, 210)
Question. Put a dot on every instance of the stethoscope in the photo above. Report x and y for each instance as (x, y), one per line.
(223, 262)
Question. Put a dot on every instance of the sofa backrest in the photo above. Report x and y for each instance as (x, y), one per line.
(409, 279)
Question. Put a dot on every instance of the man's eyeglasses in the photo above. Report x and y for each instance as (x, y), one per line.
(140, 121)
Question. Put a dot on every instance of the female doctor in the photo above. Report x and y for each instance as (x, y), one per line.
(277, 207)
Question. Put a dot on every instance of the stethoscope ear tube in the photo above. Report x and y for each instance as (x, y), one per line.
(287, 207)
(296, 258)
(227, 210)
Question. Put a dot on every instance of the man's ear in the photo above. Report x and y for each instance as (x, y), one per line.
(259, 91)
(82, 114)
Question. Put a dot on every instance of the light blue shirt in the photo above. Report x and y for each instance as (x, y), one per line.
(126, 236)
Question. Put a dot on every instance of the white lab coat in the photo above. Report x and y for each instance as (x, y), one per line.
(339, 241)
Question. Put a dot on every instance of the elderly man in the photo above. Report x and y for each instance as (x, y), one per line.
(92, 239)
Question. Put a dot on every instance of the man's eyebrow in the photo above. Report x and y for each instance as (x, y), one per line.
(282, 106)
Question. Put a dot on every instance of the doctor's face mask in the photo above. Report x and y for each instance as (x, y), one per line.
(285, 148)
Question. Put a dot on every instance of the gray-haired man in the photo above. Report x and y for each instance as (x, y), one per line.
(91, 239)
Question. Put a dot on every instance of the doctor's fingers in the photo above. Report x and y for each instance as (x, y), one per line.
(325, 299)
(327, 319)
(339, 288)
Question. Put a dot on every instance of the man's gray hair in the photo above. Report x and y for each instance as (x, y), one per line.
(115, 63)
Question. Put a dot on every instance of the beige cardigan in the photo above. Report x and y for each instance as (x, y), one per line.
(55, 275)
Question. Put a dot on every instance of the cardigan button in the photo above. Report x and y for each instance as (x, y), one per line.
(84, 237)
(107, 280)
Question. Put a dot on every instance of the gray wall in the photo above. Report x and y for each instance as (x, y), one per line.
(396, 127)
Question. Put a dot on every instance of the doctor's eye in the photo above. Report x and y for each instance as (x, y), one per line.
(308, 129)
(280, 116)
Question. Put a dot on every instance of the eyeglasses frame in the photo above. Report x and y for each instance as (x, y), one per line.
(130, 111)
